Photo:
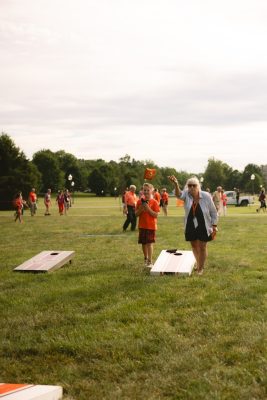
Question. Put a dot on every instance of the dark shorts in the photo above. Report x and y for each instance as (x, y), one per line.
(146, 236)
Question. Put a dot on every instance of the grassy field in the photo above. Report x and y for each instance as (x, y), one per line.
(103, 328)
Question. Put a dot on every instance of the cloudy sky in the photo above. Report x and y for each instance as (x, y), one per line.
(173, 81)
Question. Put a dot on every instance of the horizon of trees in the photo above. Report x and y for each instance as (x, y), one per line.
(49, 169)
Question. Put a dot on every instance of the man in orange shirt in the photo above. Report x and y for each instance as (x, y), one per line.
(129, 208)
(147, 210)
(164, 201)
(33, 202)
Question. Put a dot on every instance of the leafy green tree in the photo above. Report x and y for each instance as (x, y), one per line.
(233, 180)
(84, 173)
(128, 174)
(48, 165)
(17, 173)
(113, 182)
(248, 184)
(216, 174)
(98, 182)
(86, 167)
(69, 165)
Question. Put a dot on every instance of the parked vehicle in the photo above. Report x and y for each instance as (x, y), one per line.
(244, 200)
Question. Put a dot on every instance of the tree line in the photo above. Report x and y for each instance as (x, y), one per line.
(52, 170)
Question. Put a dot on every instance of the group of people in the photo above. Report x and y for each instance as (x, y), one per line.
(201, 217)
(202, 210)
(63, 200)
(20, 204)
(129, 201)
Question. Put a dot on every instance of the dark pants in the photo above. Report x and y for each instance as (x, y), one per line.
(131, 218)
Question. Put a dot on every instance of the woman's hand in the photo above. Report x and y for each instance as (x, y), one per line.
(173, 179)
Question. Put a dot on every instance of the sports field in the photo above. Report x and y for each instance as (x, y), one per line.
(103, 328)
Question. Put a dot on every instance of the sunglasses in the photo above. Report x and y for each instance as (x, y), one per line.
(192, 185)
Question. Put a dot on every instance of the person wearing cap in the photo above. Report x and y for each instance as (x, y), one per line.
(200, 218)
(130, 200)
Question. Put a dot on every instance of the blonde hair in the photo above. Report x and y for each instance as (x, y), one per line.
(149, 185)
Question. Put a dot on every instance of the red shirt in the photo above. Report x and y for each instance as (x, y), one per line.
(32, 197)
(224, 199)
(165, 197)
(19, 203)
(146, 221)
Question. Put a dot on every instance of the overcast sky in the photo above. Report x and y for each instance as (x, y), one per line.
(173, 81)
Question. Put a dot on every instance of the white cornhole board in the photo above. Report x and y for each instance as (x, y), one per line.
(46, 261)
(174, 262)
(30, 392)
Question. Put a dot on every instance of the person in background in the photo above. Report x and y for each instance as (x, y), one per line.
(67, 200)
(60, 202)
(217, 199)
(224, 203)
(124, 208)
(262, 200)
(18, 204)
(33, 202)
(164, 201)
(156, 195)
(200, 218)
(147, 209)
(47, 202)
(129, 208)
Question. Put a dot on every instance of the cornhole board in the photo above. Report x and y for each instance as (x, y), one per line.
(176, 262)
(14, 391)
(46, 261)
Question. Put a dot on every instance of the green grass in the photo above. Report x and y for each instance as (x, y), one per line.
(103, 328)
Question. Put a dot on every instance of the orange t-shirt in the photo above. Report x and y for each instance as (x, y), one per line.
(165, 197)
(32, 197)
(130, 198)
(157, 197)
(146, 221)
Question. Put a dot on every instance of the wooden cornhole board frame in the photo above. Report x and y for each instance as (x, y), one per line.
(174, 262)
(46, 261)
(10, 391)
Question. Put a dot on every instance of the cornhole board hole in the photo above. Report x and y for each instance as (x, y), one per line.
(14, 391)
(176, 262)
(46, 261)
